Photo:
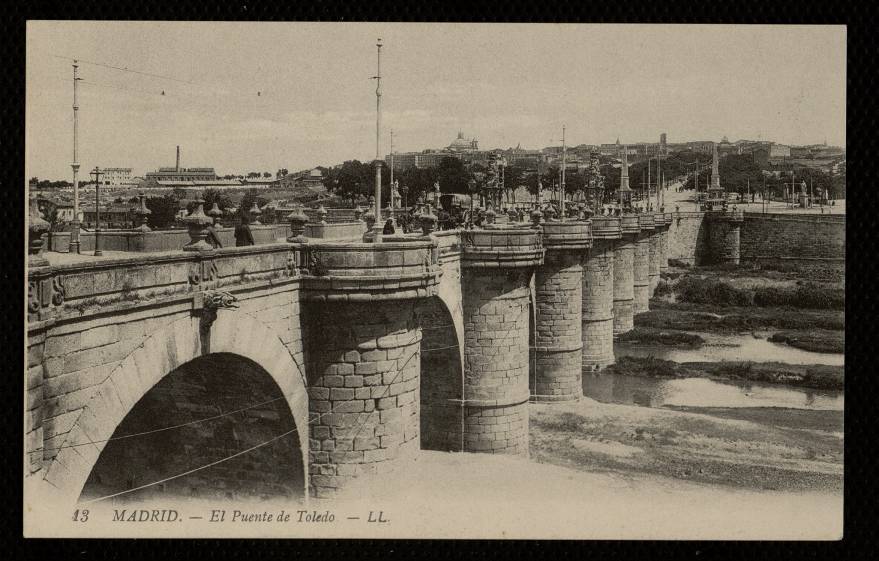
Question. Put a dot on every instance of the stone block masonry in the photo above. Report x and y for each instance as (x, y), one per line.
(624, 276)
(724, 233)
(663, 243)
(558, 344)
(496, 318)
(498, 265)
(441, 381)
(813, 238)
(641, 265)
(363, 369)
(598, 290)
(654, 252)
(688, 237)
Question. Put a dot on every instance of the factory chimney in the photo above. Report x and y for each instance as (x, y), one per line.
(178, 159)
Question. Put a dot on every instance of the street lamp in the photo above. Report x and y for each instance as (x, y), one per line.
(97, 173)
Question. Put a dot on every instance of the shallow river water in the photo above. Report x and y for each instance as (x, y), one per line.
(702, 392)
(735, 348)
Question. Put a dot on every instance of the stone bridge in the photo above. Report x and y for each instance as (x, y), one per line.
(317, 360)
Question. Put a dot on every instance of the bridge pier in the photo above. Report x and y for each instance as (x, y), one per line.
(558, 344)
(663, 243)
(624, 275)
(641, 264)
(363, 354)
(364, 365)
(497, 267)
(598, 283)
(725, 236)
(655, 251)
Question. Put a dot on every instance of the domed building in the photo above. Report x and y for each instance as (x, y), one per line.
(462, 144)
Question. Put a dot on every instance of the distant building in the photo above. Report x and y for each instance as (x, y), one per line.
(521, 157)
(701, 146)
(466, 149)
(178, 173)
(461, 144)
(761, 156)
(609, 150)
(181, 174)
(312, 180)
(778, 151)
(114, 216)
(116, 177)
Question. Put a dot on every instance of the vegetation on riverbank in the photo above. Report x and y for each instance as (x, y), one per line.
(729, 319)
(705, 290)
(809, 376)
(649, 335)
(815, 340)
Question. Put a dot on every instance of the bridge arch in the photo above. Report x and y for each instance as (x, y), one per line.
(160, 354)
(442, 367)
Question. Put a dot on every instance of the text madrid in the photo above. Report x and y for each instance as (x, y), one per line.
(170, 515)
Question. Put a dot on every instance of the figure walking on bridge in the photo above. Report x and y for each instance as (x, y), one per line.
(243, 235)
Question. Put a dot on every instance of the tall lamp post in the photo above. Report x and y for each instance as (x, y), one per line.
(97, 173)
(378, 121)
(564, 165)
(74, 232)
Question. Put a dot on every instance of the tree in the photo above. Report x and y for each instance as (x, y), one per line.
(350, 181)
(163, 210)
(247, 201)
(266, 174)
(418, 181)
(210, 197)
(453, 176)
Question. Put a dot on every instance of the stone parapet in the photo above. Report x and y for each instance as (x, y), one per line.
(606, 227)
(501, 247)
(630, 224)
(560, 236)
(364, 272)
(558, 298)
(112, 284)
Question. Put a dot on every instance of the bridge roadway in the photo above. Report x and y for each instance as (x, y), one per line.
(422, 341)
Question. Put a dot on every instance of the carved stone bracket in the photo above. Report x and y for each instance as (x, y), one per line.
(44, 293)
(211, 301)
(203, 273)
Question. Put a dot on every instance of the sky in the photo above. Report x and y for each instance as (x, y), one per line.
(262, 96)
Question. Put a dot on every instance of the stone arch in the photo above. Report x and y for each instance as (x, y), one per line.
(161, 353)
(442, 367)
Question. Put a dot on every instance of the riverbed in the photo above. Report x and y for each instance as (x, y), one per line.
(731, 347)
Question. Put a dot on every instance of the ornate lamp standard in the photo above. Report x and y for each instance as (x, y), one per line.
(97, 173)
(378, 163)
(75, 226)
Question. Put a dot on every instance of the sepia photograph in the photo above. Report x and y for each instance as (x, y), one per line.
(434, 280)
